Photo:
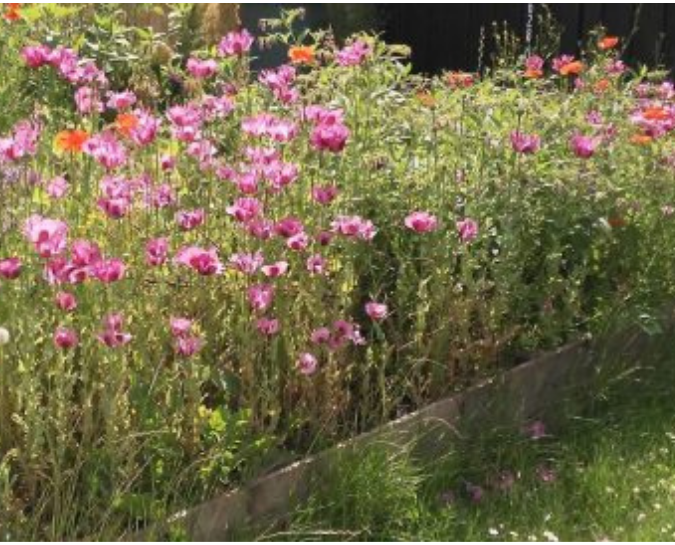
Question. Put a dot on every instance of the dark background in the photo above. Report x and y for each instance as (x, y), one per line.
(447, 36)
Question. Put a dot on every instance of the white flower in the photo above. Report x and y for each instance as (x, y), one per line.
(4, 336)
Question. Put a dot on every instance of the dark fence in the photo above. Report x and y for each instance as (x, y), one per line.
(447, 36)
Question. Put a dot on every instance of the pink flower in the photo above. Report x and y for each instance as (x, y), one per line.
(321, 335)
(187, 115)
(65, 338)
(331, 137)
(106, 150)
(307, 364)
(344, 332)
(204, 262)
(35, 56)
(421, 222)
(247, 263)
(260, 228)
(525, 143)
(109, 271)
(145, 132)
(324, 194)
(298, 242)
(121, 101)
(88, 101)
(377, 311)
(85, 253)
(168, 162)
(324, 238)
(534, 63)
(275, 270)
(115, 208)
(180, 326)
(270, 126)
(559, 62)
(235, 43)
(217, 107)
(261, 296)
(353, 54)
(190, 219)
(162, 197)
(289, 227)
(467, 229)
(57, 188)
(156, 252)
(583, 146)
(10, 268)
(245, 209)
(48, 236)
(268, 326)
(188, 345)
(21, 143)
(112, 335)
(280, 81)
(354, 227)
(66, 301)
(320, 115)
(316, 264)
(202, 69)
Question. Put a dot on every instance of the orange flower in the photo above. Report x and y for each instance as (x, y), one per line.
(13, 13)
(655, 113)
(641, 139)
(301, 55)
(125, 123)
(608, 42)
(70, 141)
(459, 79)
(573, 68)
(601, 86)
(426, 99)
(532, 73)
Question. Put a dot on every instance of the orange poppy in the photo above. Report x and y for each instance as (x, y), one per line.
(125, 123)
(426, 99)
(301, 55)
(532, 73)
(601, 86)
(70, 141)
(655, 113)
(13, 13)
(460, 79)
(608, 42)
(641, 139)
(573, 68)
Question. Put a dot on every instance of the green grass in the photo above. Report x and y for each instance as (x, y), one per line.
(614, 466)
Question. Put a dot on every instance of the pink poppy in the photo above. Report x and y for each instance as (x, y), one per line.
(376, 311)
(10, 268)
(307, 364)
(421, 222)
(65, 338)
(156, 252)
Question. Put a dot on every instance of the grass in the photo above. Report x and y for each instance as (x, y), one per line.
(606, 472)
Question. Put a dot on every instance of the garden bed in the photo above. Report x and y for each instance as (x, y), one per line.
(206, 271)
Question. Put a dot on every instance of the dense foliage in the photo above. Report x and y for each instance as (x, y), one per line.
(204, 269)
